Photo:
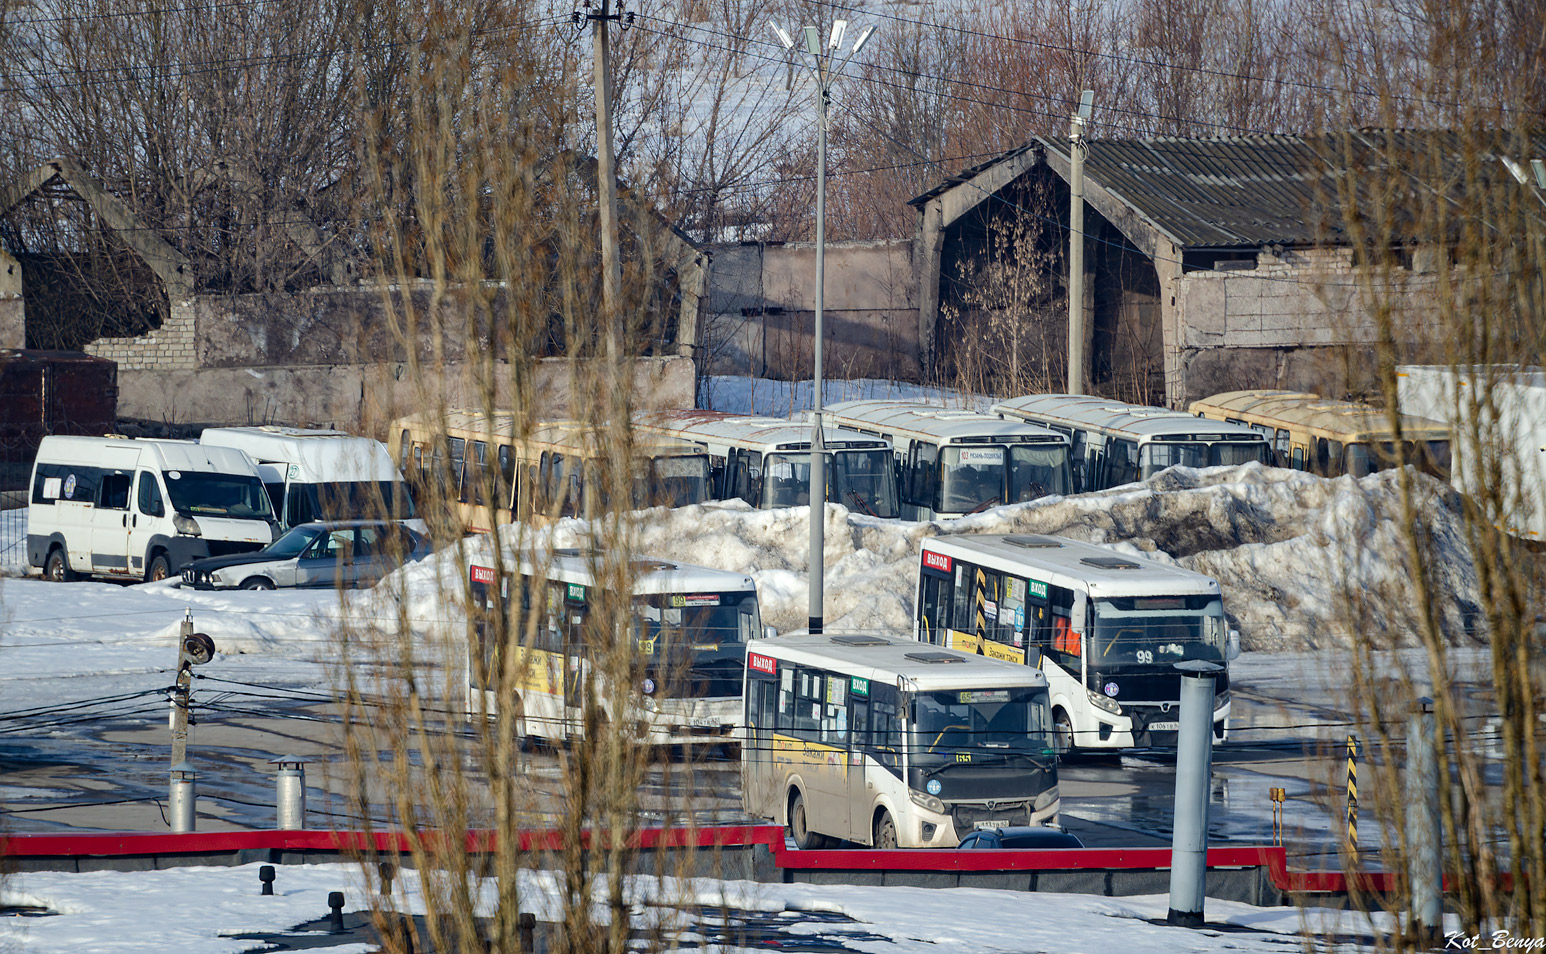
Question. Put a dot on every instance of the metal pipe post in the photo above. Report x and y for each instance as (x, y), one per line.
(1425, 869)
(182, 796)
(290, 793)
(182, 693)
(818, 488)
(1194, 780)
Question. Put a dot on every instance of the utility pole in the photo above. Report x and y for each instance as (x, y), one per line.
(182, 692)
(1076, 153)
(606, 173)
(822, 70)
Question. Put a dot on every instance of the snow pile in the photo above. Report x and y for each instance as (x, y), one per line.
(1289, 550)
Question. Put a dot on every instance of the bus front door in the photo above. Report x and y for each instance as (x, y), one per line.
(574, 673)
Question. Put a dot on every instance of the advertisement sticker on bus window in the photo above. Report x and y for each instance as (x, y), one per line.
(761, 663)
(858, 686)
(936, 561)
(1037, 589)
(837, 692)
(786, 680)
(51, 487)
(694, 599)
(990, 609)
(974, 696)
(576, 592)
(69, 487)
(481, 574)
(982, 455)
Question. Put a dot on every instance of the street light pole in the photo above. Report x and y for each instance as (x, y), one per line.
(823, 71)
(1076, 334)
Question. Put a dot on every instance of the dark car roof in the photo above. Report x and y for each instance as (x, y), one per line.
(1036, 836)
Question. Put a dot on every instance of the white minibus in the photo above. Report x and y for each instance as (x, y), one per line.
(952, 462)
(320, 474)
(877, 740)
(140, 509)
(1106, 629)
(1114, 443)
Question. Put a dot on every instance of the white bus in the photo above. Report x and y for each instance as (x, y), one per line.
(691, 625)
(952, 462)
(1106, 628)
(766, 461)
(1114, 443)
(877, 740)
(320, 474)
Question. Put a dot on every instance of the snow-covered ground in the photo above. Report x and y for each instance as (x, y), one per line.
(197, 909)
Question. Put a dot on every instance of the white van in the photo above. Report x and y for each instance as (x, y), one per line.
(320, 474)
(140, 509)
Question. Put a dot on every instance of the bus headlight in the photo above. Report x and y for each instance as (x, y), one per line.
(926, 802)
(1221, 700)
(1046, 798)
(186, 525)
(648, 686)
(1103, 702)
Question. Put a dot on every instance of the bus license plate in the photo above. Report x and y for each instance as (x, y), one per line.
(994, 823)
(1164, 726)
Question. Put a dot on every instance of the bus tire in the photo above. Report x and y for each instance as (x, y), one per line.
(799, 826)
(1063, 734)
(884, 835)
(57, 567)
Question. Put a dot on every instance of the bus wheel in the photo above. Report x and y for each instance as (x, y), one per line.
(58, 567)
(799, 826)
(885, 831)
(1062, 734)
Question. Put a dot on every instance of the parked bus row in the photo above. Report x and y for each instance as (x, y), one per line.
(1024, 649)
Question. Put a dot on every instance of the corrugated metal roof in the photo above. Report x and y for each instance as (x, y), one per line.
(1251, 191)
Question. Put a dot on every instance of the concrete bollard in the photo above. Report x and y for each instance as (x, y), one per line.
(1194, 775)
(1424, 824)
(290, 793)
(183, 794)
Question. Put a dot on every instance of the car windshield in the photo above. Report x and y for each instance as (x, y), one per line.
(293, 541)
(218, 495)
(984, 721)
(1156, 631)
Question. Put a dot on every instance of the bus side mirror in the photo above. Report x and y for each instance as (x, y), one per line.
(1232, 645)
(769, 632)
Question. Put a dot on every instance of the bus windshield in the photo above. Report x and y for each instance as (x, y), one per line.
(218, 495)
(971, 478)
(982, 721)
(861, 480)
(1156, 456)
(673, 482)
(694, 644)
(1430, 457)
(1157, 631)
(1037, 470)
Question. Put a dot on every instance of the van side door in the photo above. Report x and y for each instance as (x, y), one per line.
(147, 517)
(110, 524)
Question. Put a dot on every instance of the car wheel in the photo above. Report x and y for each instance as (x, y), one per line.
(799, 826)
(258, 583)
(160, 568)
(58, 567)
(885, 832)
(1063, 734)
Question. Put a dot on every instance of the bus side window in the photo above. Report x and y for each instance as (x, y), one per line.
(884, 743)
(1280, 444)
(457, 448)
(403, 447)
(475, 468)
(925, 476)
(1322, 457)
(1298, 457)
(1065, 639)
(810, 689)
(506, 477)
(1079, 447)
(963, 615)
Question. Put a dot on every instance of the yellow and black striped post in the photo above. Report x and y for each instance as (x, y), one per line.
(1352, 795)
(982, 610)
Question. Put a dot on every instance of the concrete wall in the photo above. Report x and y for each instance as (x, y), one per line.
(1292, 322)
(761, 303)
(350, 395)
(13, 315)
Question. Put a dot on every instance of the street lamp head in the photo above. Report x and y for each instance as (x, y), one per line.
(1086, 103)
(813, 41)
(782, 34)
(1539, 168)
(864, 37)
(838, 28)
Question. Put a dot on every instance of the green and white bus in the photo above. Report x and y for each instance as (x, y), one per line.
(877, 740)
(1106, 629)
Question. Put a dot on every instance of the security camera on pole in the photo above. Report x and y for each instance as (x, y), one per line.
(824, 71)
(193, 649)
